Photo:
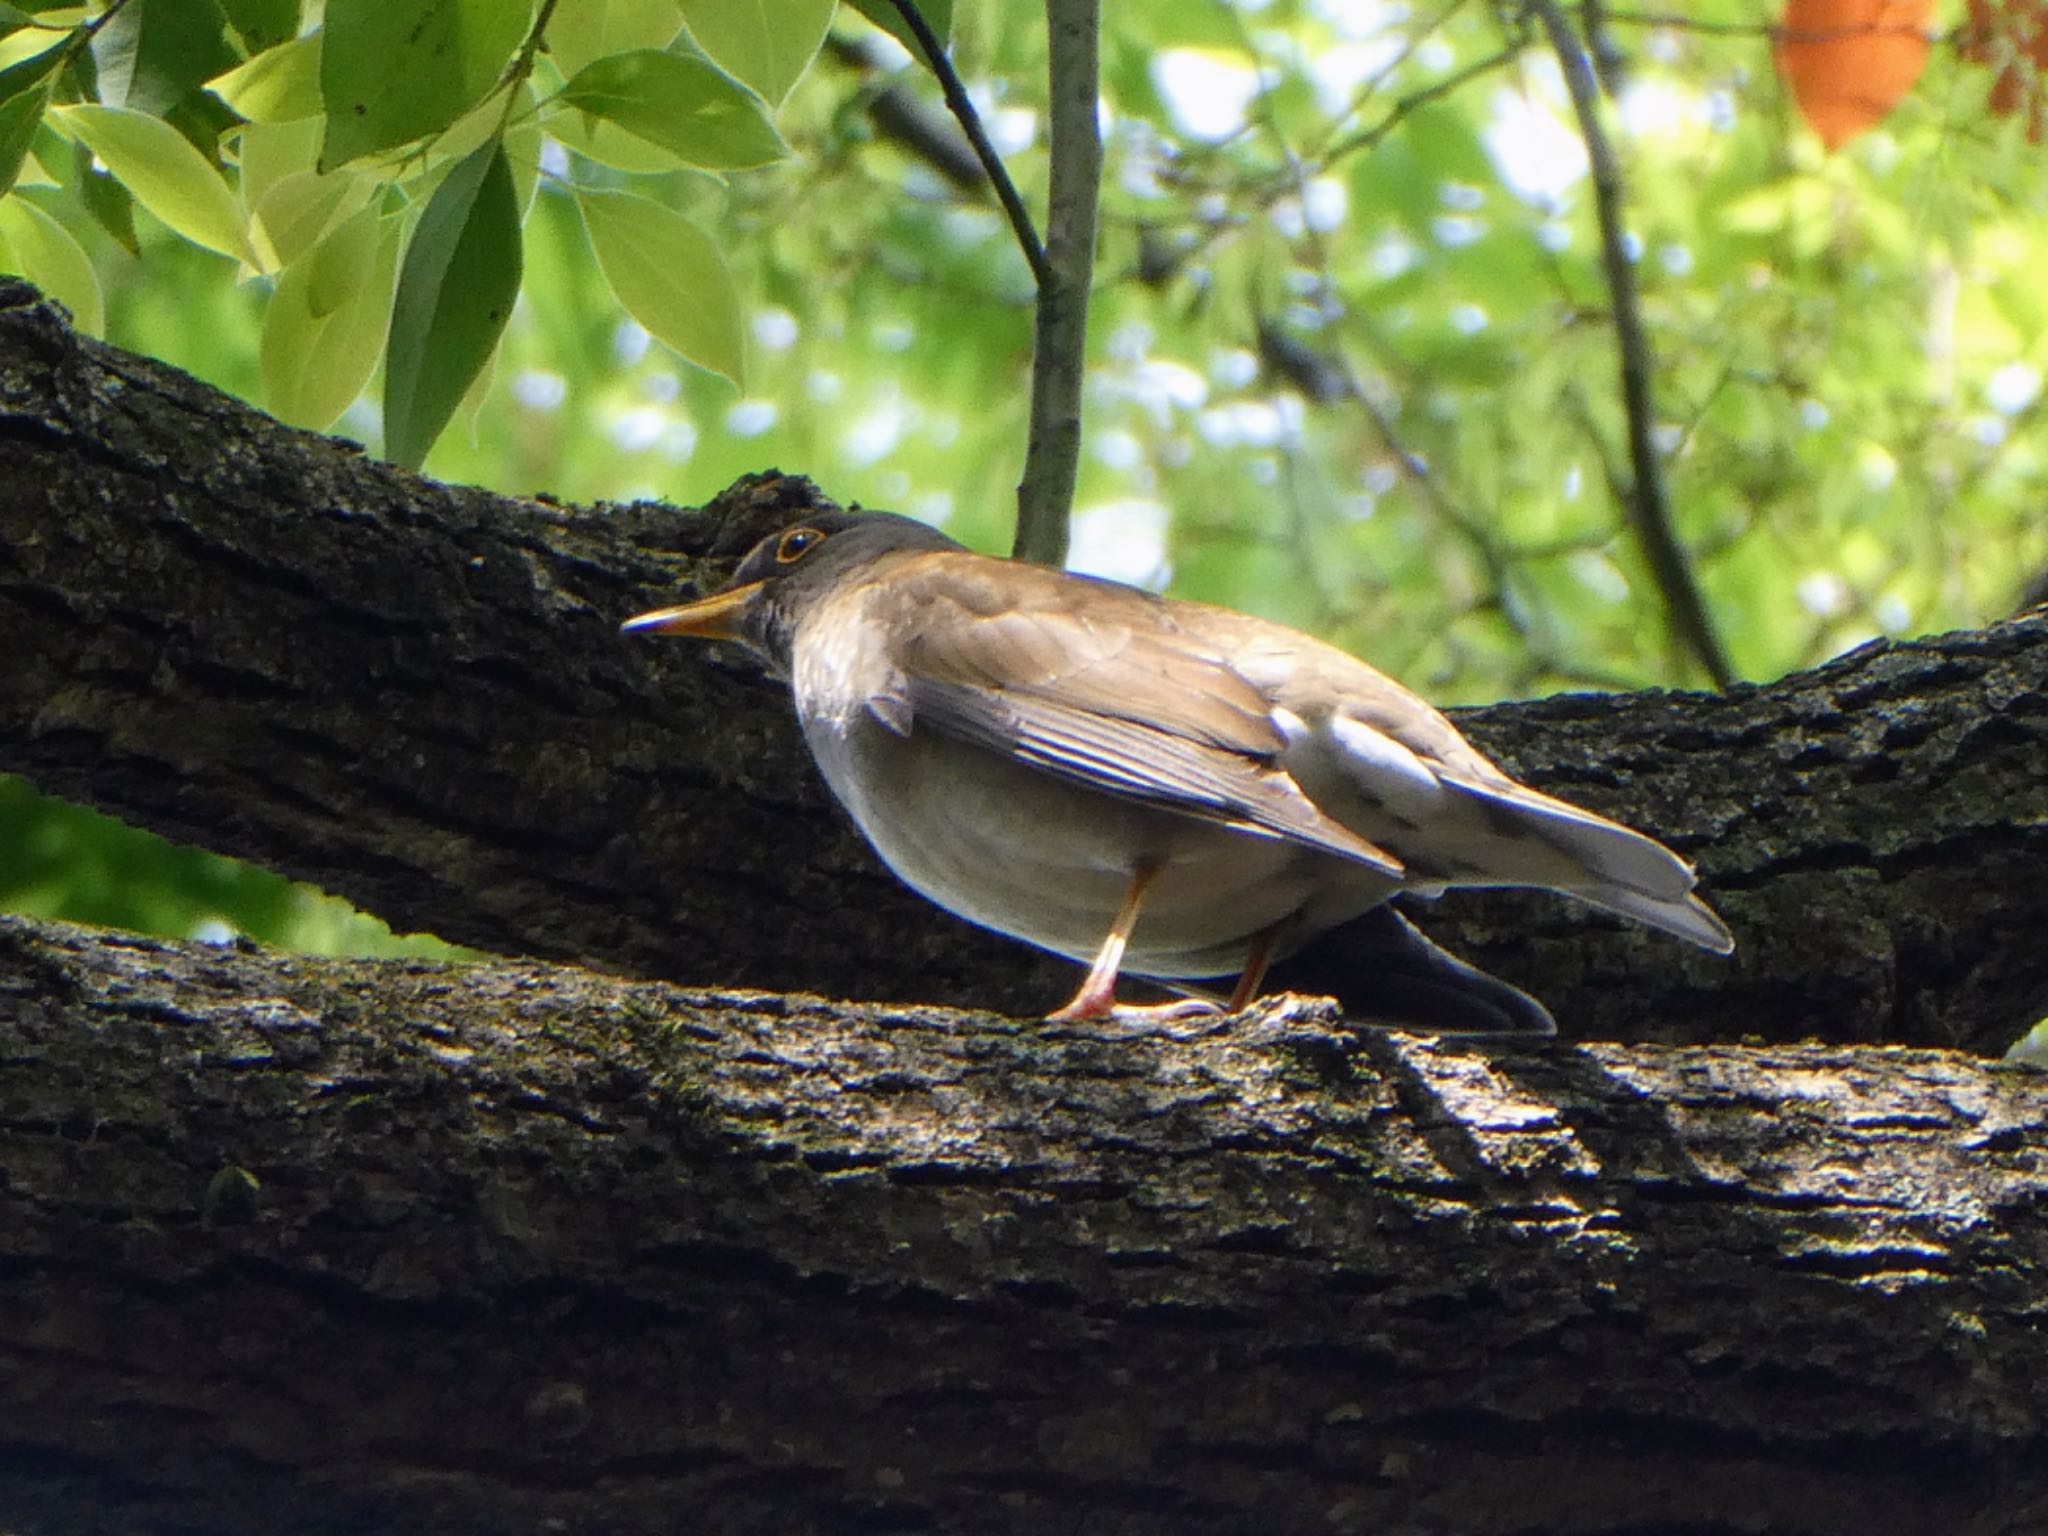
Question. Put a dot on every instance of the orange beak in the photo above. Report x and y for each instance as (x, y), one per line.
(717, 617)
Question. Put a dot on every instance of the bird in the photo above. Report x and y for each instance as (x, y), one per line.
(1147, 785)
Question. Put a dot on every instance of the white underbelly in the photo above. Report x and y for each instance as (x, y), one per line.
(1000, 844)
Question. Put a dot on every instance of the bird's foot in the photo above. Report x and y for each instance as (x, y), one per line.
(1086, 1010)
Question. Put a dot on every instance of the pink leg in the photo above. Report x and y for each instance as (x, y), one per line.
(1255, 963)
(1097, 997)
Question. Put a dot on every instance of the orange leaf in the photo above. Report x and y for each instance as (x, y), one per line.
(1848, 62)
(2012, 37)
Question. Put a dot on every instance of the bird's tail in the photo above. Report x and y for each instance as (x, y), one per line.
(1685, 917)
(1617, 869)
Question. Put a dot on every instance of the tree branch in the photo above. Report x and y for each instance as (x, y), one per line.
(898, 114)
(327, 1247)
(522, 1249)
(1406, 106)
(1649, 507)
(1045, 496)
(258, 640)
(962, 107)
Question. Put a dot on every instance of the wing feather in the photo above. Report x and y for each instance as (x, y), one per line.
(1210, 714)
(1138, 761)
(1108, 691)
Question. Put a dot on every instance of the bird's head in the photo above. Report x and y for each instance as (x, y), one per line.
(784, 575)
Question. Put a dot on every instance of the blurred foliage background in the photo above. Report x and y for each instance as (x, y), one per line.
(1352, 358)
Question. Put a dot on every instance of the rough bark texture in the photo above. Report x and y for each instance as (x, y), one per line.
(301, 1246)
(291, 1245)
(415, 695)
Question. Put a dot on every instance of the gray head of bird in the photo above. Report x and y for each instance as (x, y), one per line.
(784, 575)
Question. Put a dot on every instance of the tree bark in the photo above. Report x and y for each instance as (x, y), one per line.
(415, 695)
(522, 1247)
(302, 1245)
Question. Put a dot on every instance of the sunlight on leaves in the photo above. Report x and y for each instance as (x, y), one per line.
(165, 173)
(455, 292)
(45, 252)
(766, 45)
(669, 276)
(681, 104)
(279, 85)
(323, 329)
(390, 74)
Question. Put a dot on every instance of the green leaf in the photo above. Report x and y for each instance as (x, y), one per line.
(262, 24)
(109, 203)
(269, 152)
(279, 85)
(340, 264)
(45, 254)
(479, 125)
(13, 19)
(165, 173)
(154, 55)
(317, 356)
(32, 71)
(298, 210)
(470, 412)
(34, 173)
(524, 142)
(595, 137)
(681, 104)
(20, 116)
(938, 15)
(455, 293)
(583, 30)
(609, 144)
(764, 44)
(394, 72)
(669, 277)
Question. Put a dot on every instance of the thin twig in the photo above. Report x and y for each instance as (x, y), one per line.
(1045, 495)
(1155, 267)
(1649, 507)
(899, 114)
(970, 123)
(1608, 59)
(1366, 138)
(521, 66)
(1676, 22)
(1328, 377)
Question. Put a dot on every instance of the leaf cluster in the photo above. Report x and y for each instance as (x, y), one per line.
(379, 166)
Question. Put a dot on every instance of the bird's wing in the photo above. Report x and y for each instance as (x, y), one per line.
(1441, 806)
(1106, 692)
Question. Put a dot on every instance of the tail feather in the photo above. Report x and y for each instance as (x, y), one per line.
(1632, 875)
(1687, 918)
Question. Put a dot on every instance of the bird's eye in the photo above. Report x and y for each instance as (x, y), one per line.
(796, 544)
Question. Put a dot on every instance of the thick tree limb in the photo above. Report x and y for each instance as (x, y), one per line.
(292, 1244)
(299, 1245)
(413, 694)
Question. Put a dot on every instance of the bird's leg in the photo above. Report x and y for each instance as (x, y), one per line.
(1097, 997)
(1255, 962)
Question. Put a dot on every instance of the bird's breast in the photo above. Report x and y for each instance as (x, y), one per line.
(1037, 857)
